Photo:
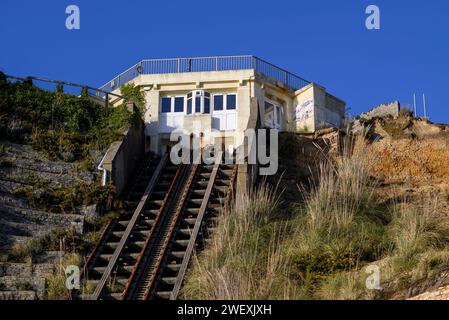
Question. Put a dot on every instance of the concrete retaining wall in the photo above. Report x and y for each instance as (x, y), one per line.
(123, 156)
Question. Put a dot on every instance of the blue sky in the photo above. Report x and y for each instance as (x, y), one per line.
(324, 41)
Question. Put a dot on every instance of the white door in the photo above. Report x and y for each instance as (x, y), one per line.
(171, 116)
(224, 114)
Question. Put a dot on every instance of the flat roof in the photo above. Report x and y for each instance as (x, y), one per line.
(205, 64)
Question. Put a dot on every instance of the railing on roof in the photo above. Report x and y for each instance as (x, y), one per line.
(219, 63)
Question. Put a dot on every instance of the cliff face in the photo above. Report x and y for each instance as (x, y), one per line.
(409, 160)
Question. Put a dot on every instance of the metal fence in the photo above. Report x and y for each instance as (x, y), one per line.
(219, 63)
(61, 85)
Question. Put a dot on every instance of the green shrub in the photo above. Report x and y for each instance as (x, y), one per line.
(68, 199)
(26, 251)
(320, 265)
(133, 93)
(24, 286)
(61, 125)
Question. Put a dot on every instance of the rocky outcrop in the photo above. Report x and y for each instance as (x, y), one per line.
(391, 109)
(441, 293)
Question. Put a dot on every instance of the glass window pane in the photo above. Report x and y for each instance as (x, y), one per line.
(207, 94)
(198, 104)
(230, 102)
(268, 106)
(189, 95)
(189, 106)
(166, 105)
(206, 105)
(218, 102)
(179, 104)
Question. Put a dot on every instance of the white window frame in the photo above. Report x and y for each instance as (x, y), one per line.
(278, 123)
(223, 114)
(203, 98)
(225, 101)
(172, 103)
(172, 117)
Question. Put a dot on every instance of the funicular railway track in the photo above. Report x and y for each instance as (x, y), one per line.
(145, 255)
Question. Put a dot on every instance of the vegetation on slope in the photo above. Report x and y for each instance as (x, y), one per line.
(322, 249)
(245, 260)
(61, 125)
(64, 128)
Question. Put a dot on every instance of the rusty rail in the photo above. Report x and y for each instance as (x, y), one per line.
(230, 192)
(96, 248)
(196, 229)
(148, 191)
(150, 236)
(170, 232)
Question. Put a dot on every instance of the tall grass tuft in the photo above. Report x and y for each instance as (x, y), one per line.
(245, 259)
(338, 229)
(417, 231)
(343, 192)
(56, 283)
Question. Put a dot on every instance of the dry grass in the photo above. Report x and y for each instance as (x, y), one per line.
(56, 284)
(245, 259)
(322, 252)
(343, 192)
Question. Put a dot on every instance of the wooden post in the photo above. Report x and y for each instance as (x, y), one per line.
(106, 101)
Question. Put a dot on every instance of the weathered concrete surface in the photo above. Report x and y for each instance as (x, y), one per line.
(122, 157)
(20, 224)
(22, 167)
(26, 161)
(18, 295)
(18, 220)
(20, 281)
(383, 110)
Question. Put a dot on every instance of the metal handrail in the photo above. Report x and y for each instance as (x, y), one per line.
(99, 91)
(121, 245)
(196, 229)
(204, 64)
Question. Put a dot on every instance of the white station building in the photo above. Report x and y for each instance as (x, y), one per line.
(226, 95)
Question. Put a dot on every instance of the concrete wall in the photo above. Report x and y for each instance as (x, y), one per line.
(123, 157)
(316, 109)
(158, 85)
(383, 110)
(304, 109)
(331, 113)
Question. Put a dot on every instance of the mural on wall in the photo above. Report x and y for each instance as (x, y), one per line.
(305, 110)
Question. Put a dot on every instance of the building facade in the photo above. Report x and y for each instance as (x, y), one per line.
(224, 96)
